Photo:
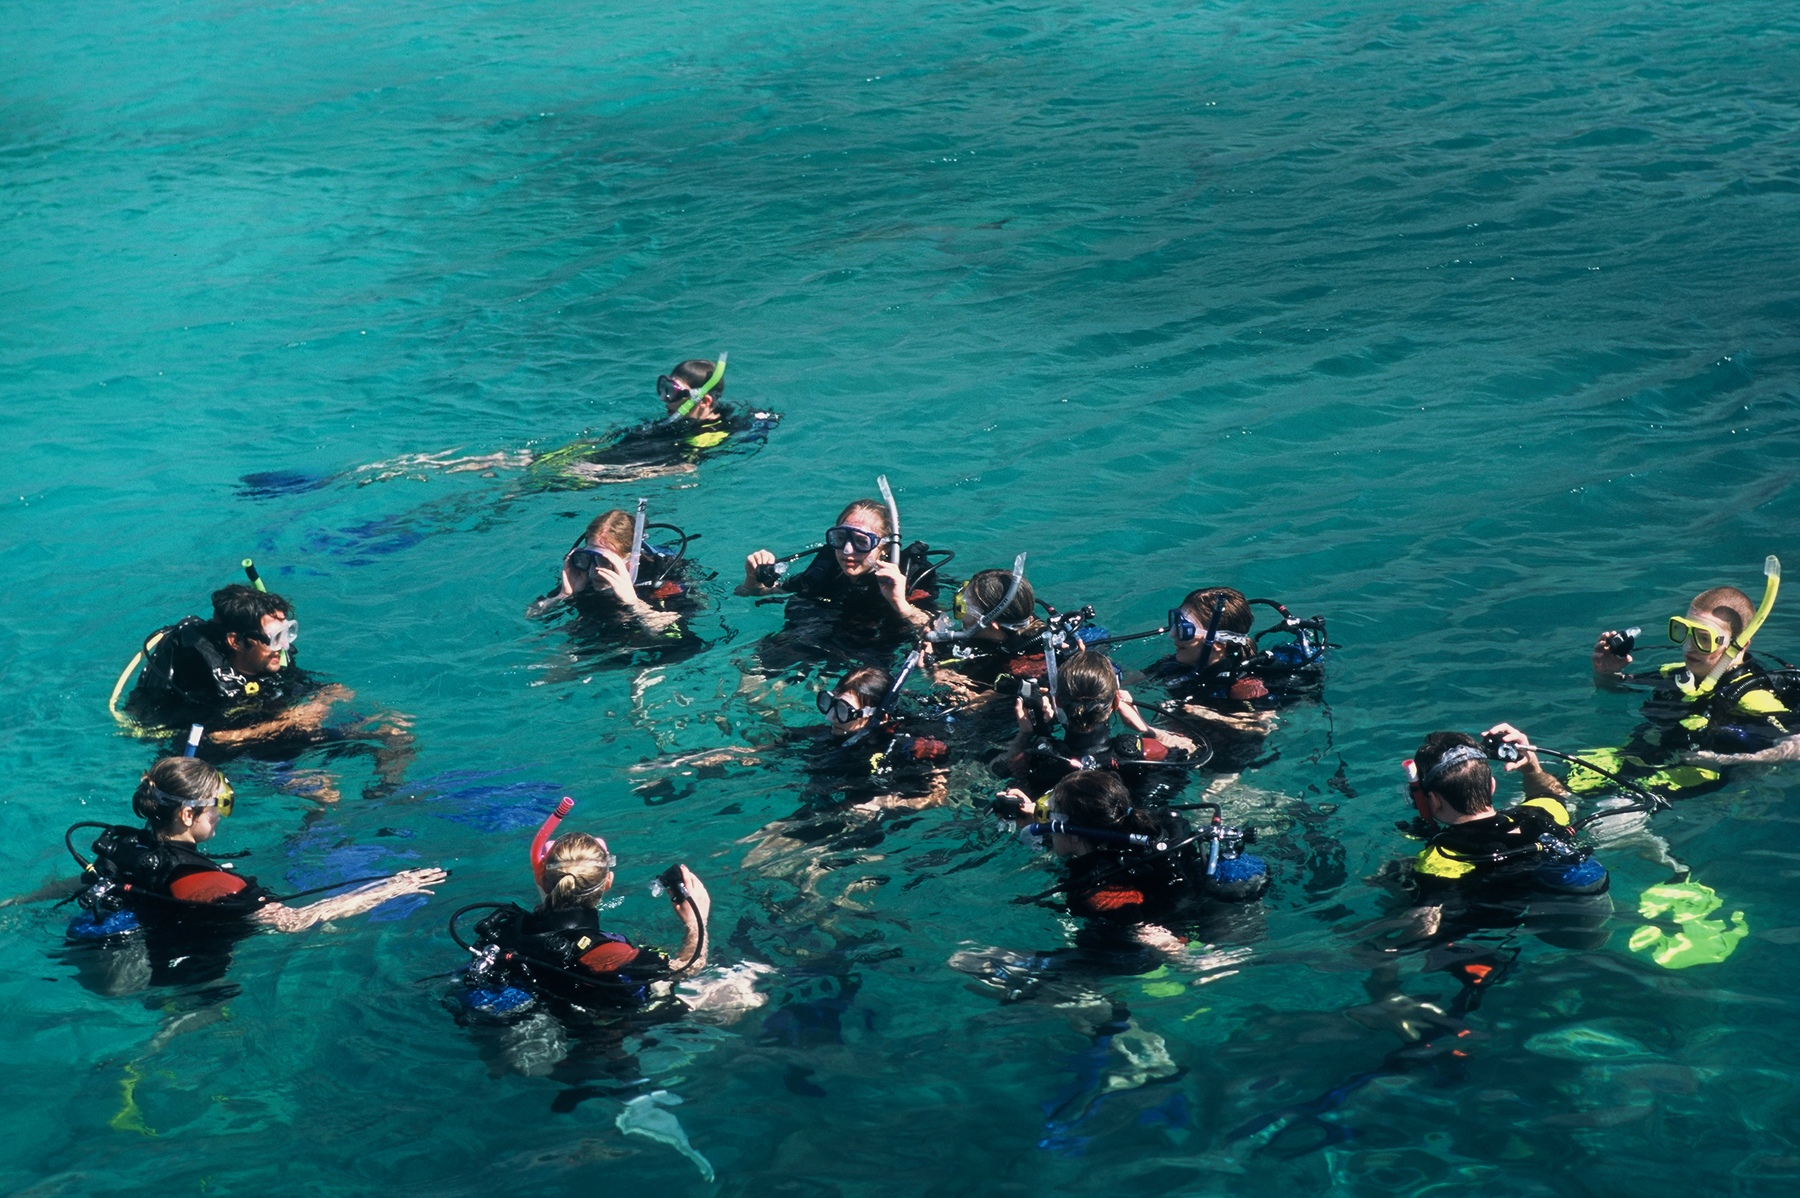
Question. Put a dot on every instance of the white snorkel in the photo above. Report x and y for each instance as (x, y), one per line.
(637, 542)
(893, 509)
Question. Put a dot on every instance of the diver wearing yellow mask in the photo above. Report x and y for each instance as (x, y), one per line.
(1717, 701)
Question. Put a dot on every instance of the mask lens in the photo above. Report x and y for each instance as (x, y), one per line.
(585, 559)
(670, 390)
(225, 799)
(1705, 639)
(959, 607)
(1180, 627)
(859, 540)
(826, 699)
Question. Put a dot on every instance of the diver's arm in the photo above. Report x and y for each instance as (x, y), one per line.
(625, 591)
(1786, 749)
(894, 585)
(693, 943)
(302, 717)
(364, 898)
(1122, 703)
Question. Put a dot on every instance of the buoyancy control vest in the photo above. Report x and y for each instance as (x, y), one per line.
(1525, 848)
(563, 954)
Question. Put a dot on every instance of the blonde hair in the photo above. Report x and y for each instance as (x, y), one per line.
(577, 871)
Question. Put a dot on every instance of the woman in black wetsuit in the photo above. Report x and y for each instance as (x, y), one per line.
(852, 597)
(596, 582)
(159, 911)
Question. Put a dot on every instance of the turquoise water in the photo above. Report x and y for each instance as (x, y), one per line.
(1473, 329)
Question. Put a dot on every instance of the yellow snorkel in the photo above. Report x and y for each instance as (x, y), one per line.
(1741, 642)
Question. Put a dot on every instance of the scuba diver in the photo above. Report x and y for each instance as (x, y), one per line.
(1066, 725)
(234, 675)
(696, 423)
(157, 910)
(1222, 679)
(616, 581)
(993, 632)
(1483, 868)
(540, 973)
(860, 592)
(1718, 705)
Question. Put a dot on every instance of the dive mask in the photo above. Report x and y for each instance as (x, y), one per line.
(222, 800)
(1184, 629)
(283, 638)
(587, 559)
(859, 540)
(1705, 638)
(840, 709)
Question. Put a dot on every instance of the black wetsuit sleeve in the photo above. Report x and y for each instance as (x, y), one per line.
(819, 576)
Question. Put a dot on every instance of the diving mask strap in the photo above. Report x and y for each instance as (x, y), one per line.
(694, 397)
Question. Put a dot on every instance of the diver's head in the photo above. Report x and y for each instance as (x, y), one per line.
(1189, 622)
(852, 705)
(1455, 784)
(182, 798)
(857, 536)
(1089, 799)
(1087, 690)
(607, 542)
(986, 588)
(1714, 620)
(578, 871)
(258, 628)
(679, 385)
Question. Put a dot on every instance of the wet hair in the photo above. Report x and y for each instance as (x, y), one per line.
(1233, 608)
(694, 372)
(1728, 605)
(868, 683)
(988, 587)
(176, 778)
(577, 871)
(612, 530)
(874, 509)
(240, 609)
(1087, 681)
(1467, 786)
(1099, 799)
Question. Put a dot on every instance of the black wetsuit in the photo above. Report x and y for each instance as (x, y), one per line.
(188, 679)
(1046, 759)
(563, 958)
(833, 615)
(657, 444)
(188, 910)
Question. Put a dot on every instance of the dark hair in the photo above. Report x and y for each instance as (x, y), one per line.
(988, 587)
(177, 778)
(869, 507)
(1086, 681)
(694, 372)
(1728, 605)
(240, 609)
(868, 683)
(612, 530)
(1233, 608)
(1098, 799)
(1468, 786)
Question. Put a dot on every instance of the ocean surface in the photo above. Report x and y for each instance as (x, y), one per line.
(1474, 328)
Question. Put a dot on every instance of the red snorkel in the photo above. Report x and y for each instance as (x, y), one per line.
(540, 844)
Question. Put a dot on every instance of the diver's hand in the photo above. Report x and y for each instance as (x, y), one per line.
(1174, 740)
(1014, 803)
(702, 901)
(1606, 664)
(573, 580)
(892, 581)
(1527, 755)
(753, 585)
(619, 583)
(307, 716)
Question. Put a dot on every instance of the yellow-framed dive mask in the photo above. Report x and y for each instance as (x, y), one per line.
(1706, 638)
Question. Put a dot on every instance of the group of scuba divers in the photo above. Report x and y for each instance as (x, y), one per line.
(928, 669)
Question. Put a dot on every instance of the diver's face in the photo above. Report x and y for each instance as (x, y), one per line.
(254, 658)
(1064, 845)
(852, 702)
(853, 561)
(1701, 664)
(1190, 637)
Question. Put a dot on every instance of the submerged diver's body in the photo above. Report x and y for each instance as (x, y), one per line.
(1715, 707)
(166, 913)
(697, 424)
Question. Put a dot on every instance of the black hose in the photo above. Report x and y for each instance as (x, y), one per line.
(68, 844)
(462, 911)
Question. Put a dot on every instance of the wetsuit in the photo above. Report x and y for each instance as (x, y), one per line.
(188, 679)
(189, 909)
(1749, 709)
(1045, 760)
(562, 957)
(1519, 867)
(895, 758)
(667, 586)
(834, 615)
(1265, 683)
(658, 444)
